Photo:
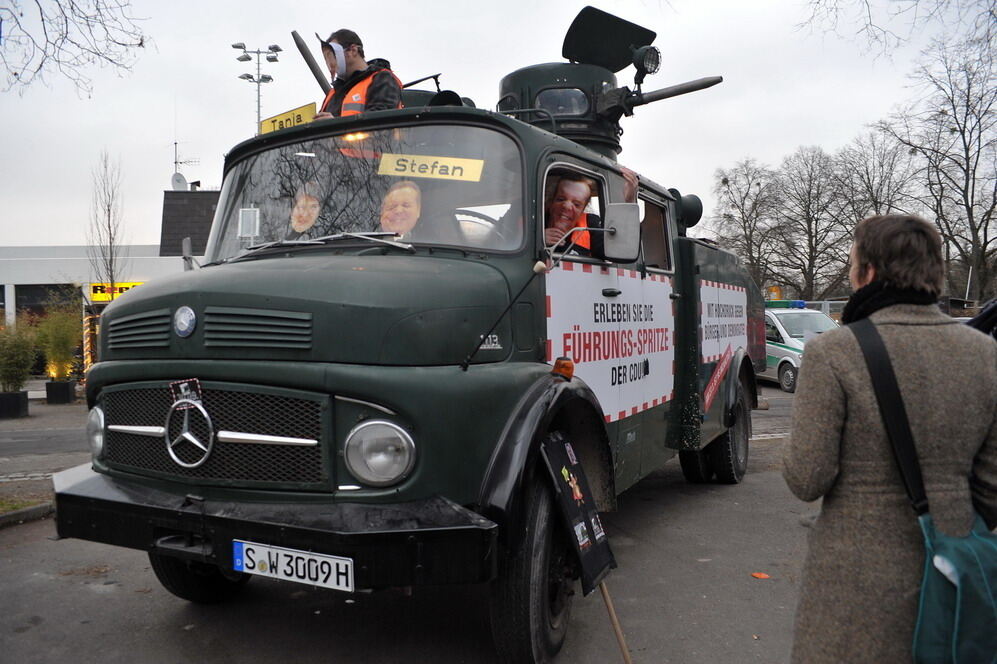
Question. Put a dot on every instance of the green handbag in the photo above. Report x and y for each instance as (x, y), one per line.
(957, 614)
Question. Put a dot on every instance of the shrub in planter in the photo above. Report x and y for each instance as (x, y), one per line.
(60, 332)
(17, 352)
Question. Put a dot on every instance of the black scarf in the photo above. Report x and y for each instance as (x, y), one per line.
(877, 295)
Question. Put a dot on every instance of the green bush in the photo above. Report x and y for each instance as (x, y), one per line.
(60, 332)
(17, 352)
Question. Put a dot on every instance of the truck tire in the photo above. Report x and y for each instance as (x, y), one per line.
(196, 582)
(530, 602)
(697, 467)
(787, 377)
(729, 452)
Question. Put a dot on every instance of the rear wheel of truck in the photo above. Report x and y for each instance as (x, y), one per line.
(729, 452)
(532, 595)
(196, 582)
(697, 466)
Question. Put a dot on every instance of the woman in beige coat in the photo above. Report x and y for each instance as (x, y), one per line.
(862, 574)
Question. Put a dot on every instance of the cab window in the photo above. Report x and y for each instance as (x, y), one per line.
(572, 203)
(654, 236)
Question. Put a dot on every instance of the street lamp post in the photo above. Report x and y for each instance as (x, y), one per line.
(259, 79)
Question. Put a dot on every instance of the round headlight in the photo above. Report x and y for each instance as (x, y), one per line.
(95, 430)
(379, 453)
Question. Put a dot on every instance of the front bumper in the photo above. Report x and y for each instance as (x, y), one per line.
(424, 542)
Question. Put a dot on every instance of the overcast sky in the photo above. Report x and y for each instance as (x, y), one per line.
(783, 88)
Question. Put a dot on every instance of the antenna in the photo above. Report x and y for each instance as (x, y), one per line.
(177, 162)
(178, 181)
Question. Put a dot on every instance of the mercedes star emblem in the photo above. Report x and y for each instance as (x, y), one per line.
(191, 411)
(184, 322)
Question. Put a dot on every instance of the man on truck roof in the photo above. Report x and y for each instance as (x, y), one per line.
(357, 85)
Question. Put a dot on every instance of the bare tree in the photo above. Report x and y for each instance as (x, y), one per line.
(747, 207)
(104, 235)
(876, 175)
(812, 232)
(885, 24)
(67, 37)
(953, 132)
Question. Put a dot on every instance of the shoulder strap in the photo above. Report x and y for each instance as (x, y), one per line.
(891, 409)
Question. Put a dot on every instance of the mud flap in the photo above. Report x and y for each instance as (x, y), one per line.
(577, 507)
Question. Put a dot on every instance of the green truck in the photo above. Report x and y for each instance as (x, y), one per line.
(354, 400)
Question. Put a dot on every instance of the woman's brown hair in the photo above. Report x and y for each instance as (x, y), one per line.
(905, 251)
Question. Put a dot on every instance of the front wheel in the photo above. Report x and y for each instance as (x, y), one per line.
(787, 378)
(196, 582)
(532, 595)
(729, 452)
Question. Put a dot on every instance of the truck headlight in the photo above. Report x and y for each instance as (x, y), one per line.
(379, 453)
(95, 430)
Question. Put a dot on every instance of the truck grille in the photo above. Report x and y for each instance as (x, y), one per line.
(231, 409)
(234, 327)
(150, 329)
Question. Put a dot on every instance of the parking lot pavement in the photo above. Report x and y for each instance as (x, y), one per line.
(683, 591)
(50, 439)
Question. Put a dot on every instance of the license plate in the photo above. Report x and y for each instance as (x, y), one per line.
(276, 562)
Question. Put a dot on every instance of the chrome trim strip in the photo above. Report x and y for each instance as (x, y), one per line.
(367, 403)
(349, 487)
(260, 439)
(151, 432)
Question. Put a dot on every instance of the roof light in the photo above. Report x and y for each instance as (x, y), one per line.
(564, 368)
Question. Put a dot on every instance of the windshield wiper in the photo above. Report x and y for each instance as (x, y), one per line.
(372, 237)
(276, 244)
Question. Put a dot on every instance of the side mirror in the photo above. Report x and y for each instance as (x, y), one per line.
(622, 236)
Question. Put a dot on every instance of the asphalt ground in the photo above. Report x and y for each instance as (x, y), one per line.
(684, 589)
(684, 592)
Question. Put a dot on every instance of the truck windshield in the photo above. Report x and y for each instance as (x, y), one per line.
(802, 325)
(436, 185)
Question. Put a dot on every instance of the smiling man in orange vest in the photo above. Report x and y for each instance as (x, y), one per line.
(358, 86)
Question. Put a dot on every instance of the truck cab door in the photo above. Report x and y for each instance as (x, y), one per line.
(592, 310)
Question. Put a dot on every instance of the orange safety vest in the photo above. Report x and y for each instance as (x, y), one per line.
(355, 100)
(582, 239)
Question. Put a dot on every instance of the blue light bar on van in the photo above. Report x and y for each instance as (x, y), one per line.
(786, 304)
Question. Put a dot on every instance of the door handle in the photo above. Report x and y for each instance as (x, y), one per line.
(611, 292)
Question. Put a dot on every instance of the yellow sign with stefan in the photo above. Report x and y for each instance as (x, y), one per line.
(422, 166)
(292, 118)
(107, 292)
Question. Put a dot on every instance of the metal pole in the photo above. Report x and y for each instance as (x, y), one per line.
(969, 280)
(259, 83)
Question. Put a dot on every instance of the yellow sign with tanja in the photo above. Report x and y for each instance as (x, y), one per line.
(423, 166)
(292, 118)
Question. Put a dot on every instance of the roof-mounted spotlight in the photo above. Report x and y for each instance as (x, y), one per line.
(647, 60)
(239, 45)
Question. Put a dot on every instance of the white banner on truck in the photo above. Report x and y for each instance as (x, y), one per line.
(617, 328)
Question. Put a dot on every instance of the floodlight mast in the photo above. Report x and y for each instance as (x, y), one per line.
(271, 55)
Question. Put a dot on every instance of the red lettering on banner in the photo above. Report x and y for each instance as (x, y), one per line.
(548, 345)
(608, 418)
(713, 386)
(586, 268)
(568, 266)
(548, 306)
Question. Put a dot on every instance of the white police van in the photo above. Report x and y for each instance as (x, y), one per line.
(788, 326)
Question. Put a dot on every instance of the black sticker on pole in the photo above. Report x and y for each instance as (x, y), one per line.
(575, 502)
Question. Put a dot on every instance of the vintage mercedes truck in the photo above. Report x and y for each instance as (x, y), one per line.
(351, 393)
